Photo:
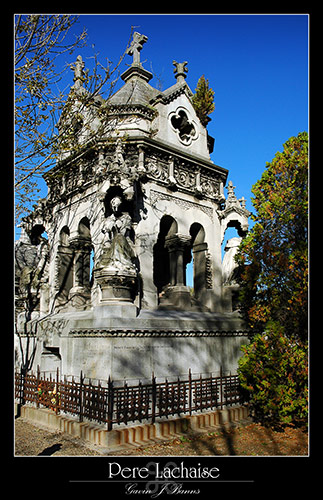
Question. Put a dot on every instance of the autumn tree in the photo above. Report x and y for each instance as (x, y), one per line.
(273, 257)
(203, 100)
(273, 261)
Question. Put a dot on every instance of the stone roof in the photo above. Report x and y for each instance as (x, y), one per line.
(136, 89)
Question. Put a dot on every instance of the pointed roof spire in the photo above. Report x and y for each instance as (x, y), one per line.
(231, 199)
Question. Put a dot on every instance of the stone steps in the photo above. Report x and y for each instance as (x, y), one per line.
(135, 436)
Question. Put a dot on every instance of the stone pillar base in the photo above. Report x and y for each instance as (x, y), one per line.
(115, 310)
(176, 298)
(117, 293)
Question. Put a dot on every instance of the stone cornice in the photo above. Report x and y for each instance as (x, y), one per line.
(151, 333)
(172, 93)
(131, 109)
(166, 147)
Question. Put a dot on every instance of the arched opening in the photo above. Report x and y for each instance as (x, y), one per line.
(197, 252)
(162, 261)
(82, 259)
(231, 241)
(64, 266)
(37, 234)
(111, 193)
(84, 228)
(63, 236)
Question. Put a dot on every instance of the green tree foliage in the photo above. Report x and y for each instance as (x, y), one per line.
(273, 258)
(274, 374)
(203, 100)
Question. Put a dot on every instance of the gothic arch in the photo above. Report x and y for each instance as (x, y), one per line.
(36, 234)
(82, 255)
(64, 236)
(161, 272)
(199, 250)
(64, 267)
(84, 228)
(197, 233)
(237, 223)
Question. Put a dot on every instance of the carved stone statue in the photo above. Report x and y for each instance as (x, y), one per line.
(229, 265)
(79, 73)
(117, 252)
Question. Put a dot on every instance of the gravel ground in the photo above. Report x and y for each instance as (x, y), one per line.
(251, 439)
(32, 440)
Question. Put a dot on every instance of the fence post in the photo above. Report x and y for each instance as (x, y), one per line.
(190, 390)
(154, 394)
(37, 383)
(22, 386)
(57, 393)
(110, 404)
(81, 398)
(221, 388)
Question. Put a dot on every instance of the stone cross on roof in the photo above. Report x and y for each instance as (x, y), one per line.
(135, 47)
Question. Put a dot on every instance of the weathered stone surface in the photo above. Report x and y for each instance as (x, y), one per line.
(128, 208)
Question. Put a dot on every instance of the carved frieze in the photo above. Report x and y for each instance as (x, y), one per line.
(186, 176)
(155, 196)
(157, 167)
(106, 332)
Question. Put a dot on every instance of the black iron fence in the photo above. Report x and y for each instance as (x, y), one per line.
(111, 404)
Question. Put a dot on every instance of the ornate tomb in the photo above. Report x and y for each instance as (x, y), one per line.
(129, 206)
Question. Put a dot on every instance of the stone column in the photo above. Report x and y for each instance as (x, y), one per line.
(170, 244)
(141, 160)
(176, 245)
(178, 295)
(199, 262)
(63, 274)
(80, 293)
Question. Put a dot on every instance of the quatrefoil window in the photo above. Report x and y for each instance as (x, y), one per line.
(185, 128)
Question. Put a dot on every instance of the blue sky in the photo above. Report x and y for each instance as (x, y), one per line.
(257, 66)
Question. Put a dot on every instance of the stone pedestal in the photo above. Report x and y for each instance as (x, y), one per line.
(229, 297)
(117, 292)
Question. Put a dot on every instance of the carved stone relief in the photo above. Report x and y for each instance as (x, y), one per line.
(155, 196)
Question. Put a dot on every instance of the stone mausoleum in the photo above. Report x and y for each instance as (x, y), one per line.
(129, 207)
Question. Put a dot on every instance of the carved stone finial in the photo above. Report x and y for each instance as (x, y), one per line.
(231, 200)
(136, 46)
(79, 73)
(180, 71)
